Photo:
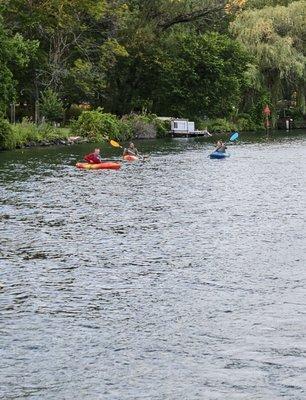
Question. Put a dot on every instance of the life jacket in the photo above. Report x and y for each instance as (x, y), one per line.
(92, 158)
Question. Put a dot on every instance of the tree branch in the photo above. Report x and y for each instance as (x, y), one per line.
(188, 17)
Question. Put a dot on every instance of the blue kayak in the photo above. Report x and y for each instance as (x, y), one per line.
(218, 154)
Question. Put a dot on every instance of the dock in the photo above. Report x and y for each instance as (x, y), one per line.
(192, 134)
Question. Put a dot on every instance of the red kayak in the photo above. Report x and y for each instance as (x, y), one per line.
(130, 158)
(102, 165)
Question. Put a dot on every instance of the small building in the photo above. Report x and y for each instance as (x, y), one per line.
(185, 128)
(181, 126)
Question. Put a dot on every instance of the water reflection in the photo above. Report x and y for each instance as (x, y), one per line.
(182, 277)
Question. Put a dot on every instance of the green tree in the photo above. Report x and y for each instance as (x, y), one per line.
(77, 44)
(5, 132)
(51, 106)
(276, 37)
(184, 74)
(203, 76)
(170, 57)
(165, 14)
(15, 54)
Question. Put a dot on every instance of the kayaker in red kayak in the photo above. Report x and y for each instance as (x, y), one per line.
(93, 158)
(130, 150)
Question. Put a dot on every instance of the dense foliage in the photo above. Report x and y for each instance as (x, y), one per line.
(214, 59)
(5, 133)
(276, 36)
(28, 133)
(15, 55)
(98, 125)
(51, 106)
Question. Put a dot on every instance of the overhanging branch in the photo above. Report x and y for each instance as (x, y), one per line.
(189, 17)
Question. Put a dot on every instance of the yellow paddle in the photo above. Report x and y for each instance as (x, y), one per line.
(115, 144)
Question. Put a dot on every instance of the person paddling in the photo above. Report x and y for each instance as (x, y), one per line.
(93, 158)
(220, 147)
(131, 150)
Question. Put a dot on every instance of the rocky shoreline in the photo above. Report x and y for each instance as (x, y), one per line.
(55, 142)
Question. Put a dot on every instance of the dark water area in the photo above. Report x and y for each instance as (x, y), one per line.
(176, 278)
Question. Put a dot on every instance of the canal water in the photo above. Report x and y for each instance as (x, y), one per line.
(176, 278)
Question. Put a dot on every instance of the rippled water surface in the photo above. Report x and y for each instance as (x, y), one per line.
(177, 278)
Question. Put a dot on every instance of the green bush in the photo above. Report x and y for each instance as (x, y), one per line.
(26, 133)
(49, 132)
(5, 134)
(219, 125)
(162, 128)
(201, 124)
(244, 122)
(294, 113)
(96, 125)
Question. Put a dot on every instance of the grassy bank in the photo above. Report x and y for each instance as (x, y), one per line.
(27, 134)
(91, 126)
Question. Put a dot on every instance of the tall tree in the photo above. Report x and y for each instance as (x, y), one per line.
(77, 43)
(276, 36)
(184, 74)
(15, 54)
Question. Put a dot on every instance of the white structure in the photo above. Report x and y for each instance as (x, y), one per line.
(182, 126)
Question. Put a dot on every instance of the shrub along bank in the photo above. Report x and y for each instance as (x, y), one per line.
(222, 125)
(27, 134)
(95, 126)
(91, 126)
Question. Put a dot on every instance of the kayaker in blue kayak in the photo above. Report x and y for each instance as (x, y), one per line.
(220, 148)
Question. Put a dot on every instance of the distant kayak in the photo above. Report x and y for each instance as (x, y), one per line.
(218, 154)
(103, 165)
(130, 158)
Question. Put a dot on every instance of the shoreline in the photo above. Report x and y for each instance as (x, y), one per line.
(70, 141)
(74, 140)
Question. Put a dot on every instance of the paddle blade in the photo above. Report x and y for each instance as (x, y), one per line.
(234, 137)
(114, 143)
